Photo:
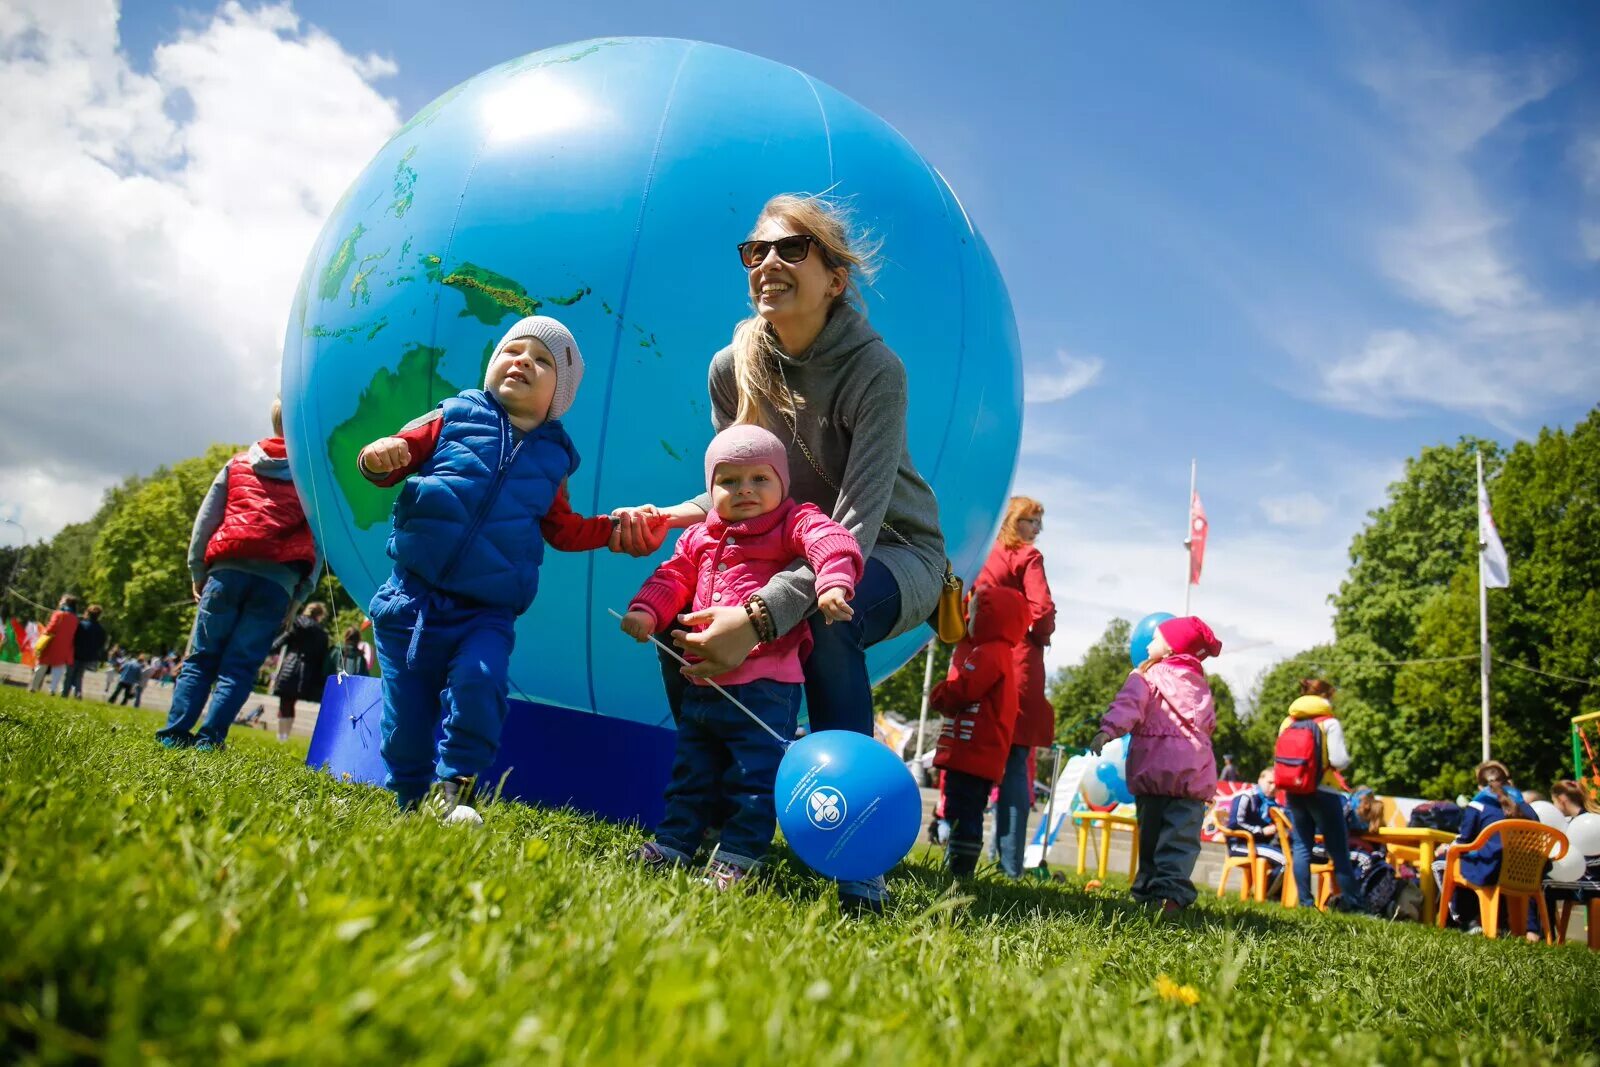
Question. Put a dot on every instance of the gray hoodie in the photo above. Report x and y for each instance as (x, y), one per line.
(852, 392)
(209, 517)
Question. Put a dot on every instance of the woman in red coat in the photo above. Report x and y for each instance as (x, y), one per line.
(1016, 564)
(62, 630)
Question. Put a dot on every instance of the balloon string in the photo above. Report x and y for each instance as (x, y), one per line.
(735, 701)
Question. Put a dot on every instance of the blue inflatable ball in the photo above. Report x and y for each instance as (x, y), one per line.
(1105, 779)
(847, 805)
(606, 183)
(1143, 632)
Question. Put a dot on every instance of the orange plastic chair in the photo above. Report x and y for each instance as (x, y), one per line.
(1525, 847)
(1252, 868)
(1321, 873)
(1564, 916)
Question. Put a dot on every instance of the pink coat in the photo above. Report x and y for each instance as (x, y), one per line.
(722, 564)
(1169, 711)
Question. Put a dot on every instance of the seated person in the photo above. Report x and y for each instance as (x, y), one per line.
(1251, 811)
(1577, 877)
(1497, 799)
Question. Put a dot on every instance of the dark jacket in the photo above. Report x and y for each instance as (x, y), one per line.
(89, 643)
(305, 646)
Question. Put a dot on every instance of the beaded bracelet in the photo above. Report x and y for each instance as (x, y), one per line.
(761, 619)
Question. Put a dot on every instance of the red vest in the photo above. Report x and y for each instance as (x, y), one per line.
(263, 518)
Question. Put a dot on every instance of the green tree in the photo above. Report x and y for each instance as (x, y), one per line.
(901, 692)
(1081, 692)
(138, 568)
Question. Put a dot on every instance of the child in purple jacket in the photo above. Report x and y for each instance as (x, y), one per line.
(1166, 705)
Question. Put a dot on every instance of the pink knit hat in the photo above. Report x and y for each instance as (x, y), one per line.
(1190, 636)
(748, 444)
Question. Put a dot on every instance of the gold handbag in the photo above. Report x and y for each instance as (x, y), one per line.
(949, 618)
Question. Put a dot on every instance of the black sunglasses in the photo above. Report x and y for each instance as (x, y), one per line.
(792, 249)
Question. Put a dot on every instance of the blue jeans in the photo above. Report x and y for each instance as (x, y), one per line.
(1169, 846)
(725, 765)
(1011, 813)
(452, 672)
(239, 614)
(1321, 812)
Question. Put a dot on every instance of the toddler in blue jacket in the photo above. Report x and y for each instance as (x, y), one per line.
(485, 488)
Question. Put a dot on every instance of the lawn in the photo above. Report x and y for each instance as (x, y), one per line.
(190, 907)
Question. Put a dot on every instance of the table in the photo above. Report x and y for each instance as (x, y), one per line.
(1085, 820)
(1416, 844)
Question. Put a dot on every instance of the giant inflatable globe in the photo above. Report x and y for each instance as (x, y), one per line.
(606, 183)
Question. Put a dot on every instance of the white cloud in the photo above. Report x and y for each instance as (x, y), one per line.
(1066, 376)
(151, 259)
(1295, 509)
(1481, 338)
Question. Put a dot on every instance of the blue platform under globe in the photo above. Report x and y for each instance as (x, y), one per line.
(621, 777)
(607, 183)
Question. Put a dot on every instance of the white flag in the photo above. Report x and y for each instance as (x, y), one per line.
(1496, 568)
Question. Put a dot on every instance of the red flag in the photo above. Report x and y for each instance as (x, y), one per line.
(1197, 538)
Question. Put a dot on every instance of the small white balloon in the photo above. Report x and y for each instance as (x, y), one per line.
(1584, 833)
(1567, 869)
(1549, 814)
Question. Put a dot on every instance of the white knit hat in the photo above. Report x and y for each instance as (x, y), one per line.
(569, 361)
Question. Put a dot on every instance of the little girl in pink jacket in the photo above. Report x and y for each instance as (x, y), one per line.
(723, 760)
(1166, 705)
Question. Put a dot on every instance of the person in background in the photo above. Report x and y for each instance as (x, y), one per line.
(349, 657)
(113, 661)
(305, 653)
(253, 559)
(1014, 563)
(88, 646)
(1251, 811)
(1321, 811)
(130, 680)
(54, 648)
(1497, 798)
(1230, 773)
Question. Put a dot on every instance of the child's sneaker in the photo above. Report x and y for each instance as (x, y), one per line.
(166, 741)
(205, 744)
(451, 800)
(723, 876)
(1171, 909)
(654, 857)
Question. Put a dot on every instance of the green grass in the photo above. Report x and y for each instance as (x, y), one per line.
(185, 907)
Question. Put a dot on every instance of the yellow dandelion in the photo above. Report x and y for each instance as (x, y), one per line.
(1170, 990)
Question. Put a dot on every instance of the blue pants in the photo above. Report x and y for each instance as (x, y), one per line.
(1169, 846)
(1011, 813)
(239, 614)
(965, 797)
(452, 672)
(1321, 812)
(725, 765)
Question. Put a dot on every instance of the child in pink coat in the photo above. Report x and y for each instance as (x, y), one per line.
(1166, 705)
(725, 762)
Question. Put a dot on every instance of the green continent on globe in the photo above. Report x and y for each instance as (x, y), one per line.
(390, 400)
(490, 295)
(343, 259)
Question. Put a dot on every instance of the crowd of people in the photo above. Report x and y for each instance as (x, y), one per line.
(812, 538)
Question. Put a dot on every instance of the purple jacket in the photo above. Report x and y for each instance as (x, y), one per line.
(1168, 710)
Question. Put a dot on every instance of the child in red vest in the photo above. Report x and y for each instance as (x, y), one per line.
(253, 561)
(1166, 705)
(725, 763)
(979, 702)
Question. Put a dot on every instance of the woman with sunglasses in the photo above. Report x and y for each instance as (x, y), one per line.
(807, 366)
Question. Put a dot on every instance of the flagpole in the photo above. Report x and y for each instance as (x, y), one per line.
(1483, 613)
(927, 690)
(1188, 541)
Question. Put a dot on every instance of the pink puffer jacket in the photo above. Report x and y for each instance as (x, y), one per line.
(1169, 711)
(722, 564)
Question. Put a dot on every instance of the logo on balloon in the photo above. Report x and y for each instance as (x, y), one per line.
(826, 808)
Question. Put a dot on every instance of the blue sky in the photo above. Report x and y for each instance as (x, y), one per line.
(1295, 243)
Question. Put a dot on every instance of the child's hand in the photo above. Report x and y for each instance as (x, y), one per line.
(834, 604)
(386, 454)
(1099, 741)
(638, 625)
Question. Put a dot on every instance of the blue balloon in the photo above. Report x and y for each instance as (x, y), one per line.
(606, 183)
(1143, 632)
(847, 805)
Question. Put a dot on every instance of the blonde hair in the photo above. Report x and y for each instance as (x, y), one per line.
(277, 416)
(1017, 509)
(755, 343)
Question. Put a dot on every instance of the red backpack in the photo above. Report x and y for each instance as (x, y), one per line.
(1298, 758)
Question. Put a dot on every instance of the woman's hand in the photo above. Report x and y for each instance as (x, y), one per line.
(835, 606)
(640, 530)
(722, 645)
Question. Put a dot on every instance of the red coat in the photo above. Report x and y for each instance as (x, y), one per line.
(979, 698)
(1022, 569)
(59, 653)
(263, 518)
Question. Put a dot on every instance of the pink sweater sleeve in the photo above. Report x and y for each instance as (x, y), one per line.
(830, 549)
(671, 587)
(1127, 708)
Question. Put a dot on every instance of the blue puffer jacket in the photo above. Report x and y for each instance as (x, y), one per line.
(1483, 866)
(467, 523)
